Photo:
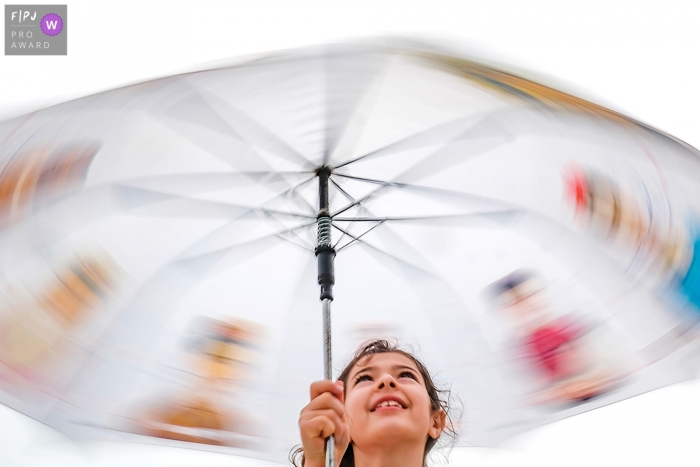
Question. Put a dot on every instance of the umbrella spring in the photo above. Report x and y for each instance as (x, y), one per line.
(324, 231)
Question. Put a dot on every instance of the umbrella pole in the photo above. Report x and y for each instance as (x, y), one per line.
(327, 362)
(325, 253)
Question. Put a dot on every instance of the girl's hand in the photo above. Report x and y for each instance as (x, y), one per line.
(322, 417)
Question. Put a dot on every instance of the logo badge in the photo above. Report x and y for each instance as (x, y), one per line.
(36, 30)
(51, 24)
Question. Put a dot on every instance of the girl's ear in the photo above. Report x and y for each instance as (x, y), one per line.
(438, 424)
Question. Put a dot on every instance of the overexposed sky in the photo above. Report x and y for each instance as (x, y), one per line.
(640, 58)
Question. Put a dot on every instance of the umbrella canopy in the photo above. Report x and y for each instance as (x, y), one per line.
(159, 271)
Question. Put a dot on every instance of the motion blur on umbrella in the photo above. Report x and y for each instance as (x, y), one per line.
(168, 247)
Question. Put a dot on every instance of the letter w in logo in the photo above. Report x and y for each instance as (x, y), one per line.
(51, 24)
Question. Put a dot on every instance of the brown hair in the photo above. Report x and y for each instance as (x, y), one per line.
(440, 399)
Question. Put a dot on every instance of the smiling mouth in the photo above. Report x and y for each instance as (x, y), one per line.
(391, 404)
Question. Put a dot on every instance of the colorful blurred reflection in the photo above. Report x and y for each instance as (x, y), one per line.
(222, 356)
(39, 173)
(44, 320)
(669, 248)
(565, 353)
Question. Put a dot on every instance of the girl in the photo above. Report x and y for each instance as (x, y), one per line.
(384, 410)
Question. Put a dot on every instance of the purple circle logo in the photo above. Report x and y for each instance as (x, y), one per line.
(51, 24)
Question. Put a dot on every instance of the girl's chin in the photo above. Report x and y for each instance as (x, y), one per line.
(389, 424)
(387, 432)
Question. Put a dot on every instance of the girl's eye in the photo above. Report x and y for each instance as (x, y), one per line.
(408, 374)
(361, 378)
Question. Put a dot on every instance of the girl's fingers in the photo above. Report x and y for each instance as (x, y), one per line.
(323, 423)
(313, 425)
(341, 387)
(325, 401)
(319, 387)
(321, 427)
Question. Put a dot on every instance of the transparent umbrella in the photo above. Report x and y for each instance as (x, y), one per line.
(164, 244)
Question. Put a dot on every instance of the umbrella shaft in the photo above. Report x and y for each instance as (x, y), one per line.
(327, 371)
(326, 278)
(330, 452)
(327, 355)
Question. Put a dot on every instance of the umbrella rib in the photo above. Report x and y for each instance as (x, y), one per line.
(294, 233)
(294, 243)
(350, 198)
(326, 105)
(353, 100)
(270, 134)
(244, 118)
(241, 215)
(353, 204)
(364, 242)
(355, 239)
(291, 190)
(286, 192)
(411, 248)
(231, 247)
(433, 154)
(425, 218)
(373, 181)
(343, 235)
(345, 193)
(170, 197)
(385, 184)
(423, 133)
(244, 173)
(339, 240)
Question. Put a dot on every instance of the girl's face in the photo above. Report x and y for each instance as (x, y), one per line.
(387, 403)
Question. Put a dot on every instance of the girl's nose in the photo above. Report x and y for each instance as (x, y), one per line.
(386, 380)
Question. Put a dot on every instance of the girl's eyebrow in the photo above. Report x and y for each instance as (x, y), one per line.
(362, 370)
(395, 368)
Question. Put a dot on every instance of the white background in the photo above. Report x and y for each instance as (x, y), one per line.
(640, 58)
